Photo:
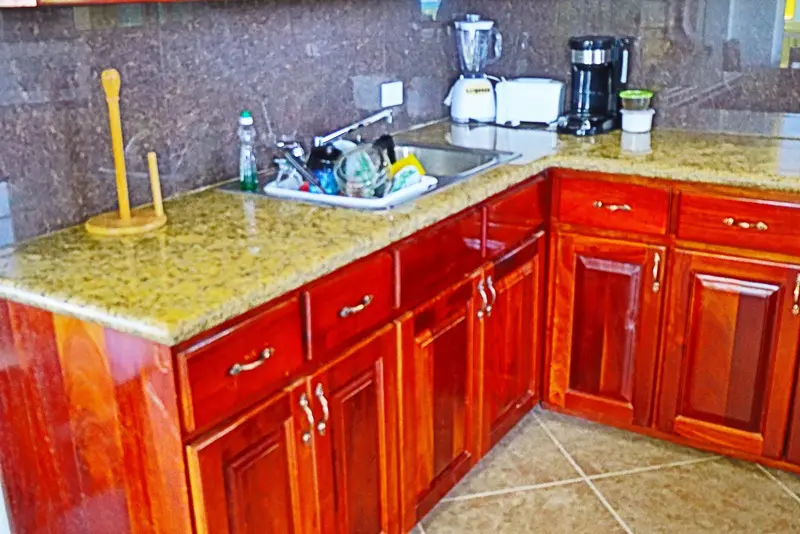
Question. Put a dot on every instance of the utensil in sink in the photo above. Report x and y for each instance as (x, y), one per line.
(362, 172)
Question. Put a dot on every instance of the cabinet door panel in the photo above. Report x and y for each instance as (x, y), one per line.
(254, 476)
(441, 416)
(793, 443)
(730, 352)
(606, 312)
(512, 340)
(358, 442)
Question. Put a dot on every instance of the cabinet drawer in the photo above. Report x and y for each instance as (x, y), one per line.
(240, 365)
(615, 206)
(516, 215)
(747, 223)
(437, 257)
(350, 302)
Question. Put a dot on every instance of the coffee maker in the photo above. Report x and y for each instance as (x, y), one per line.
(599, 73)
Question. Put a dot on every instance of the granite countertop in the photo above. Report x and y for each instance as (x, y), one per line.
(222, 254)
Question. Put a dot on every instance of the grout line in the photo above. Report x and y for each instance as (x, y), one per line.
(780, 483)
(645, 469)
(515, 489)
(586, 479)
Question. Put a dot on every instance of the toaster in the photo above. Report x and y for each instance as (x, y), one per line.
(539, 100)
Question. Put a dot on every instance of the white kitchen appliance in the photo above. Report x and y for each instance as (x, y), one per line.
(472, 96)
(536, 100)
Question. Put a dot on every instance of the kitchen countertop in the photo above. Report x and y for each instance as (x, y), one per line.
(222, 254)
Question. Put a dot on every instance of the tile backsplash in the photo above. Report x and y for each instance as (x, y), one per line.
(310, 66)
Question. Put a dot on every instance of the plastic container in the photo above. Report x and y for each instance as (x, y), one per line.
(636, 143)
(248, 172)
(637, 121)
(636, 99)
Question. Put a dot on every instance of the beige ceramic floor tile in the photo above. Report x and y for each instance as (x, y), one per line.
(790, 480)
(601, 449)
(717, 496)
(572, 509)
(525, 456)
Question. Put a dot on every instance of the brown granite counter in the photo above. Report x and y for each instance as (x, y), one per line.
(222, 254)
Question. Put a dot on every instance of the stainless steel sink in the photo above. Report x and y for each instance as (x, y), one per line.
(448, 164)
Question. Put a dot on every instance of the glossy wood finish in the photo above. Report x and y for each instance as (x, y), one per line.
(622, 206)
(746, 223)
(440, 419)
(513, 339)
(730, 352)
(793, 442)
(605, 326)
(516, 215)
(209, 390)
(357, 448)
(256, 474)
(344, 305)
(437, 257)
(89, 435)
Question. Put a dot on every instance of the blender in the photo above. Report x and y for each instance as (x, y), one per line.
(472, 96)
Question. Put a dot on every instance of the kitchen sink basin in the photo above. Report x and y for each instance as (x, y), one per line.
(448, 164)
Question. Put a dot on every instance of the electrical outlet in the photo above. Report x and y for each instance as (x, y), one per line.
(391, 94)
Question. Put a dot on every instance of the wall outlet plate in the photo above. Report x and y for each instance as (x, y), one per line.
(391, 94)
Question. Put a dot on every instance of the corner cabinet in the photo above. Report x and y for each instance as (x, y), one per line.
(318, 457)
(606, 310)
(730, 352)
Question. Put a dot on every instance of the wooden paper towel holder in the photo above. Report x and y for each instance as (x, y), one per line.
(124, 222)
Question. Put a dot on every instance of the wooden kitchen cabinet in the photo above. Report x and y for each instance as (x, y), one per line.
(440, 417)
(730, 351)
(356, 438)
(606, 308)
(512, 338)
(793, 443)
(256, 474)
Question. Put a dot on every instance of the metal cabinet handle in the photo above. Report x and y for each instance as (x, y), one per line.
(238, 368)
(484, 300)
(656, 270)
(347, 311)
(744, 225)
(306, 406)
(492, 292)
(796, 305)
(611, 207)
(326, 414)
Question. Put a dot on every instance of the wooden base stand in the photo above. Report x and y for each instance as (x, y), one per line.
(110, 224)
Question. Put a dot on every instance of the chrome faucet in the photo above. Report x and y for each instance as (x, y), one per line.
(386, 115)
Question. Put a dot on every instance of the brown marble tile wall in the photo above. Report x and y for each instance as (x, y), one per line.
(308, 66)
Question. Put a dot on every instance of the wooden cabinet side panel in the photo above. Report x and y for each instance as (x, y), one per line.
(91, 431)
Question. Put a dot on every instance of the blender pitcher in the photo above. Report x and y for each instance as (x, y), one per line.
(473, 36)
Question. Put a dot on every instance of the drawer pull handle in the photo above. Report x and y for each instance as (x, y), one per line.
(796, 305)
(326, 414)
(656, 270)
(744, 225)
(493, 293)
(613, 208)
(306, 406)
(484, 300)
(347, 311)
(238, 368)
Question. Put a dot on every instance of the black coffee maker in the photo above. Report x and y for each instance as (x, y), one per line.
(599, 73)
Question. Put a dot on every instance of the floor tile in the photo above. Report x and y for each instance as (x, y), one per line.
(572, 509)
(790, 480)
(716, 496)
(525, 456)
(601, 449)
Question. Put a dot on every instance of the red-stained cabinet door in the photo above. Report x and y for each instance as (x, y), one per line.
(255, 476)
(605, 325)
(441, 430)
(512, 340)
(355, 404)
(793, 443)
(730, 352)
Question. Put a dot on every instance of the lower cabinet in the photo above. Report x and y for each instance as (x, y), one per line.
(730, 352)
(605, 324)
(793, 443)
(440, 397)
(512, 333)
(320, 457)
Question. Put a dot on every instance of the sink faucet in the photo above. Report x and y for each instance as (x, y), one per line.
(386, 115)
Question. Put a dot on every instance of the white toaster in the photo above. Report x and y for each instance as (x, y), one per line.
(539, 100)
